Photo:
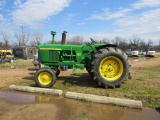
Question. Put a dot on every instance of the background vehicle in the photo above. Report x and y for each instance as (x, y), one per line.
(132, 52)
(142, 52)
(6, 56)
(106, 64)
(150, 52)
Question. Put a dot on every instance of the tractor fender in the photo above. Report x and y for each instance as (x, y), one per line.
(104, 46)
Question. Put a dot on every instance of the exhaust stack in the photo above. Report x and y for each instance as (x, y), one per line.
(63, 37)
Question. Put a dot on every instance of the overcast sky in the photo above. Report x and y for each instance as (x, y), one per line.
(88, 18)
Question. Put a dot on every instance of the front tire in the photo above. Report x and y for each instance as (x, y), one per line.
(45, 78)
(110, 67)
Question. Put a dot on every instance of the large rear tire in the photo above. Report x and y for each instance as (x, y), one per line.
(110, 67)
(45, 78)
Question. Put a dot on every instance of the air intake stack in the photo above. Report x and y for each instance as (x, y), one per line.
(53, 33)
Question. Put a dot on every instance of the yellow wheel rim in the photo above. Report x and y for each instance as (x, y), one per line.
(44, 78)
(111, 68)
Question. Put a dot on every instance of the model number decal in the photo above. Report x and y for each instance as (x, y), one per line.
(78, 54)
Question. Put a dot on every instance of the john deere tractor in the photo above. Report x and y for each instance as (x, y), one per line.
(105, 63)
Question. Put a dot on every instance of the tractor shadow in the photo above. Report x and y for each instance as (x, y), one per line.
(30, 76)
(67, 80)
(29, 80)
(32, 73)
(158, 109)
(83, 80)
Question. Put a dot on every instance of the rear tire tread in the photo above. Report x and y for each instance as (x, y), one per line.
(94, 69)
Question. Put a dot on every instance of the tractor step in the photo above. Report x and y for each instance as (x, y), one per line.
(77, 69)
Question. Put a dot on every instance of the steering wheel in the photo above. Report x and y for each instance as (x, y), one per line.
(93, 41)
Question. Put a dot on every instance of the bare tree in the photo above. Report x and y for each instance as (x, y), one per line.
(76, 40)
(1, 45)
(143, 45)
(19, 38)
(5, 36)
(105, 41)
(120, 42)
(117, 40)
(36, 39)
(150, 43)
(22, 38)
(135, 41)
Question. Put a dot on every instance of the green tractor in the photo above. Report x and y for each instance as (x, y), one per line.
(106, 64)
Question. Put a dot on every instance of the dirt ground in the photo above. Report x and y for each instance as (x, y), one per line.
(12, 76)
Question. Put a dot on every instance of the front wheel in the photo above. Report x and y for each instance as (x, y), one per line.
(110, 67)
(45, 78)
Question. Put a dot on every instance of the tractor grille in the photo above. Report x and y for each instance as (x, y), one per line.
(54, 55)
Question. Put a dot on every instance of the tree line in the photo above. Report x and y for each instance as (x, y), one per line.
(26, 39)
(22, 39)
(122, 43)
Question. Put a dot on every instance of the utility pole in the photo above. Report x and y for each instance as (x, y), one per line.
(22, 36)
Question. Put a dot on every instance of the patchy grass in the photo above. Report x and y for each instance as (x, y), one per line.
(144, 85)
(18, 62)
